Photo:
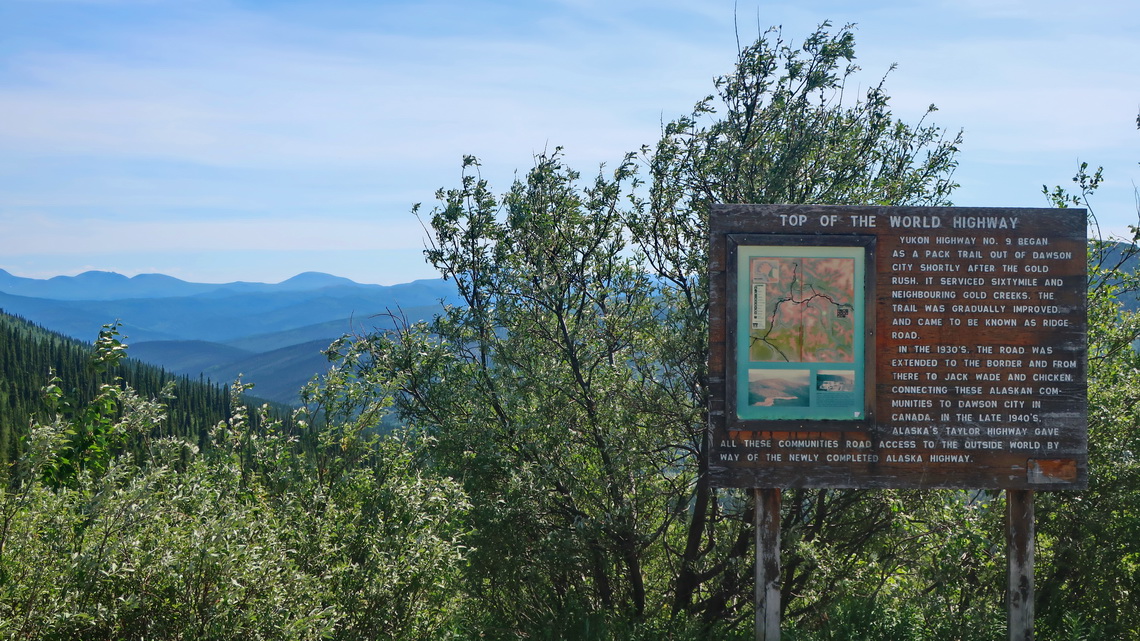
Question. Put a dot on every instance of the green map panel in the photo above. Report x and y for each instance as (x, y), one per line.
(800, 332)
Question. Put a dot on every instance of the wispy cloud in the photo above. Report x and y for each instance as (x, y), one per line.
(291, 94)
(45, 234)
(181, 123)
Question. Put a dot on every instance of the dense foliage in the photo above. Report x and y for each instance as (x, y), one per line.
(251, 536)
(548, 480)
(1089, 542)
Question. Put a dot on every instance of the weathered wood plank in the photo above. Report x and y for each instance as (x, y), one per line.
(1020, 529)
(767, 525)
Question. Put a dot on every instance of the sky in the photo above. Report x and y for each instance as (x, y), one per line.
(221, 140)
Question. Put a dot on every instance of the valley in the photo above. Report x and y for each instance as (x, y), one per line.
(272, 335)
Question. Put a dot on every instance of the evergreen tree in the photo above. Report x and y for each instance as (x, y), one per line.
(31, 357)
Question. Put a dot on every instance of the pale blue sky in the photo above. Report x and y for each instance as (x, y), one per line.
(218, 140)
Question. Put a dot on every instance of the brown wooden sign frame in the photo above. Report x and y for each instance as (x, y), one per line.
(963, 360)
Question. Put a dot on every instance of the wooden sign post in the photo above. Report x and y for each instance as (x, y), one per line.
(1019, 531)
(899, 347)
(767, 523)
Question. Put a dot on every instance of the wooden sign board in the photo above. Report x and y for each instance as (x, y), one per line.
(905, 347)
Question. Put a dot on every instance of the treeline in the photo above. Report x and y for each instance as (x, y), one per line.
(32, 356)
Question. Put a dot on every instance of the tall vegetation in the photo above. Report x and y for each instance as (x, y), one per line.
(568, 393)
(1090, 541)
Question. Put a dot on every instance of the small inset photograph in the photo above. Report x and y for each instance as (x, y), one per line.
(779, 387)
(765, 270)
(835, 381)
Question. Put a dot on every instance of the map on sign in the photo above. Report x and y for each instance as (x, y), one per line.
(801, 309)
(800, 322)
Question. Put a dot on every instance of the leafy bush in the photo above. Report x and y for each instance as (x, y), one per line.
(243, 541)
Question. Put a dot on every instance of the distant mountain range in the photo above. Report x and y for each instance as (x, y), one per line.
(98, 285)
(272, 334)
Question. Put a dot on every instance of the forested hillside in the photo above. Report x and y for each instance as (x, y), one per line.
(31, 356)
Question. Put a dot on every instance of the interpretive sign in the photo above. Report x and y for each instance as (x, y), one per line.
(897, 347)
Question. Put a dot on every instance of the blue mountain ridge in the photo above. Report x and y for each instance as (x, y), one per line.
(224, 313)
(102, 285)
(274, 332)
